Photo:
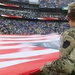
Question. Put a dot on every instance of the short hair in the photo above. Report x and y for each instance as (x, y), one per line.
(71, 11)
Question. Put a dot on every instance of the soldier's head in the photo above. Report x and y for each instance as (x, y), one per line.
(71, 13)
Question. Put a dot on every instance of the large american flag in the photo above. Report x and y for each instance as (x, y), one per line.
(25, 54)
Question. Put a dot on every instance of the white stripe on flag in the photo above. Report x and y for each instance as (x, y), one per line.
(15, 62)
(28, 53)
(11, 42)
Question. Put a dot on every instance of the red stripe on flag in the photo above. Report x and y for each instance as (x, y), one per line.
(13, 44)
(28, 67)
(7, 51)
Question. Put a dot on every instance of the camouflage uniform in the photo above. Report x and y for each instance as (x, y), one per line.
(65, 65)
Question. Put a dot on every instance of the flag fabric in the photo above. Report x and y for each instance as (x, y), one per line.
(25, 54)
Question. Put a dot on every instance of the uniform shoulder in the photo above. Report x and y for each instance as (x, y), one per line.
(66, 32)
(70, 32)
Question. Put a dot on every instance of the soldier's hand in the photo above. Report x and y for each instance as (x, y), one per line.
(41, 68)
(45, 66)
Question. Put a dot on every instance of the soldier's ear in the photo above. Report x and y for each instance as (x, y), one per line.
(68, 18)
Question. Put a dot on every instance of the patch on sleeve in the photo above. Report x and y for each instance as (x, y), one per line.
(66, 44)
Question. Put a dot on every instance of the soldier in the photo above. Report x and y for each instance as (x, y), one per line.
(65, 65)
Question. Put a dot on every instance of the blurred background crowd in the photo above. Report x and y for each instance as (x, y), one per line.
(54, 3)
(28, 13)
(26, 1)
(31, 27)
(50, 3)
(24, 27)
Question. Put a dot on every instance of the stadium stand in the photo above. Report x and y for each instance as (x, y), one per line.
(29, 13)
(34, 27)
(54, 3)
(26, 1)
(42, 3)
(31, 27)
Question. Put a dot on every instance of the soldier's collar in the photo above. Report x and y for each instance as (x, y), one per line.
(72, 26)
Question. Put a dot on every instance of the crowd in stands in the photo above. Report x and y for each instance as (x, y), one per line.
(8, 26)
(50, 3)
(22, 5)
(46, 3)
(22, 27)
(27, 13)
(26, 1)
(54, 3)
